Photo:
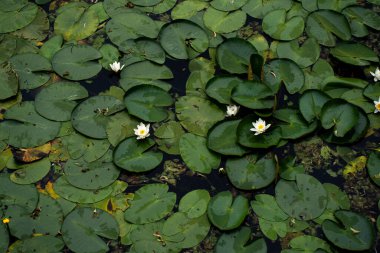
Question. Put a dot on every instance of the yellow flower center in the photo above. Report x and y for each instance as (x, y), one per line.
(6, 220)
(142, 131)
(260, 126)
(377, 106)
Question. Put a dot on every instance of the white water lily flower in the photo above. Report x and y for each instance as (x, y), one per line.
(259, 126)
(232, 110)
(116, 66)
(377, 106)
(376, 75)
(142, 131)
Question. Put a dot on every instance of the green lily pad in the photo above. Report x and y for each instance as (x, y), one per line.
(31, 172)
(80, 146)
(340, 115)
(50, 47)
(57, 101)
(353, 232)
(197, 115)
(294, 126)
(150, 203)
(307, 243)
(134, 155)
(289, 169)
(38, 244)
(9, 82)
(277, 25)
(74, 194)
(145, 2)
(359, 18)
(236, 242)
(253, 95)
(196, 155)
(162, 7)
(194, 204)
(14, 18)
(249, 172)
(373, 167)
(7, 47)
(220, 88)
(337, 199)
(304, 55)
(82, 227)
(223, 21)
(46, 219)
(77, 62)
(286, 71)
(315, 75)
(183, 39)
(304, 199)
(27, 128)
(76, 21)
(191, 230)
(233, 55)
(187, 9)
(110, 54)
(223, 139)
(120, 126)
(90, 176)
(266, 207)
(141, 50)
(336, 5)
(247, 138)
(168, 136)
(311, 103)
(324, 24)
(91, 116)
(259, 8)
(335, 86)
(31, 69)
(354, 53)
(148, 103)
(4, 236)
(228, 5)
(15, 194)
(226, 212)
(145, 72)
(130, 25)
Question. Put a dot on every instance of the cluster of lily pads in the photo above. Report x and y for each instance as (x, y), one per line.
(261, 77)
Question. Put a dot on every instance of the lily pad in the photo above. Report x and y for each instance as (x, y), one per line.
(4, 236)
(266, 207)
(27, 128)
(14, 18)
(286, 71)
(304, 199)
(311, 103)
(307, 243)
(183, 39)
(220, 88)
(250, 173)
(354, 53)
(120, 126)
(9, 82)
(196, 155)
(373, 167)
(259, 8)
(223, 21)
(57, 101)
(168, 135)
(82, 228)
(253, 95)
(141, 50)
(354, 232)
(38, 244)
(90, 176)
(197, 115)
(37, 30)
(226, 212)
(150, 203)
(50, 47)
(236, 242)
(223, 139)
(293, 126)
(304, 55)
(324, 24)
(233, 55)
(148, 103)
(91, 116)
(359, 18)
(228, 5)
(45, 220)
(31, 70)
(134, 155)
(31, 172)
(130, 25)
(194, 204)
(15, 194)
(77, 62)
(277, 25)
(187, 9)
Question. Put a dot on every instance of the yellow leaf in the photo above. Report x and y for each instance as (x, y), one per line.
(32, 154)
(356, 165)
